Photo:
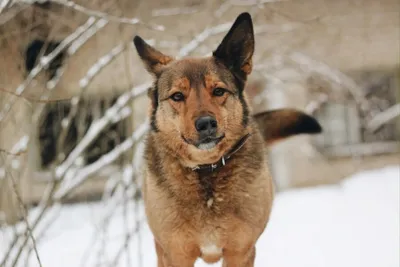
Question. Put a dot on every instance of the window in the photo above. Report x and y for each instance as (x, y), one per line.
(55, 143)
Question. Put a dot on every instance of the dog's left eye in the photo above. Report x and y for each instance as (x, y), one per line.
(219, 91)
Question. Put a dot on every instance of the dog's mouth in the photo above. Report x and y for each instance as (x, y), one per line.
(207, 143)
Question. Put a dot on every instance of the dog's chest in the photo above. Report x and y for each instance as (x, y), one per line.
(215, 189)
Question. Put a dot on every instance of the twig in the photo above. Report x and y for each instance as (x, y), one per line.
(79, 177)
(84, 83)
(75, 45)
(201, 37)
(10, 14)
(383, 117)
(99, 14)
(334, 75)
(21, 145)
(29, 229)
(173, 11)
(100, 24)
(253, 2)
(126, 179)
(125, 244)
(11, 154)
(32, 99)
(98, 125)
(100, 64)
(3, 4)
(316, 104)
(44, 62)
(225, 6)
(35, 219)
(271, 29)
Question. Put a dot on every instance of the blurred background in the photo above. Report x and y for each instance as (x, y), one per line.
(73, 110)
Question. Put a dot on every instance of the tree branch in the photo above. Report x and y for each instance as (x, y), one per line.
(80, 175)
(383, 117)
(44, 62)
(99, 14)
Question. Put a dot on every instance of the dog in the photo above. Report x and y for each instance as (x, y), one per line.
(207, 187)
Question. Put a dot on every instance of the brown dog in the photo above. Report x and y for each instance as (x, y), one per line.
(208, 190)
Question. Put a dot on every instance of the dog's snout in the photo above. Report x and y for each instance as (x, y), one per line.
(206, 126)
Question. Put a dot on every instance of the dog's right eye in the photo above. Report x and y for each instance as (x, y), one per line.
(177, 97)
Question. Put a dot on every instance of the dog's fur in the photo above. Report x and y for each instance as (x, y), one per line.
(221, 213)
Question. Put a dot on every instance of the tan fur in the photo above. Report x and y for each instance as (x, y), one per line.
(183, 222)
(220, 214)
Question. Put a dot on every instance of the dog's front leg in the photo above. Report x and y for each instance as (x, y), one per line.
(160, 255)
(175, 257)
(239, 259)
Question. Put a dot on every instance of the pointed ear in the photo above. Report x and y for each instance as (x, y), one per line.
(237, 48)
(153, 59)
(280, 124)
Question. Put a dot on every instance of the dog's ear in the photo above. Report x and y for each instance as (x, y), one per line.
(237, 48)
(153, 59)
(279, 124)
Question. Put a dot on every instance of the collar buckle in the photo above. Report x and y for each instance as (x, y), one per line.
(195, 168)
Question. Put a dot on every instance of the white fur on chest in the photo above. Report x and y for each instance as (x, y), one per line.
(211, 253)
(211, 249)
(210, 246)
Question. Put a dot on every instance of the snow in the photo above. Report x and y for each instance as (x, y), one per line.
(351, 224)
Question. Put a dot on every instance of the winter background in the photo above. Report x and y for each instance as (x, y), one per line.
(73, 112)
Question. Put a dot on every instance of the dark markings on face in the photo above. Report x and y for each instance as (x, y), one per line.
(196, 76)
(196, 72)
(240, 83)
(154, 99)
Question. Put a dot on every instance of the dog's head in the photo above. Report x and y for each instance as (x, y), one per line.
(198, 104)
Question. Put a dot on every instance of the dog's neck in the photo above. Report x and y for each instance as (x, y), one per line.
(173, 174)
(205, 169)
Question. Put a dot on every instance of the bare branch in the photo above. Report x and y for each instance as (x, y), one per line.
(287, 27)
(76, 44)
(201, 37)
(99, 14)
(3, 4)
(100, 64)
(29, 229)
(81, 174)
(253, 2)
(384, 117)
(84, 83)
(174, 11)
(97, 126)
(44, 62)
(334, 75)
(11, 154)
(316, 103)
(10, 13)
(32, 99)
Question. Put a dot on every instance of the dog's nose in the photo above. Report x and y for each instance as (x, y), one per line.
(206, 126)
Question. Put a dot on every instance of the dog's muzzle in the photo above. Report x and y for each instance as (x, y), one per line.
(209, 143)
(206, 143)
(207, 128)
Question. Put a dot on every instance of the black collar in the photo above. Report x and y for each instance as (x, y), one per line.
(209, 168)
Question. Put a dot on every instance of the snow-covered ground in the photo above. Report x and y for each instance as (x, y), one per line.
(352, 224)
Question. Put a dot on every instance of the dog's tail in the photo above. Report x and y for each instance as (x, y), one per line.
(279, 124)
